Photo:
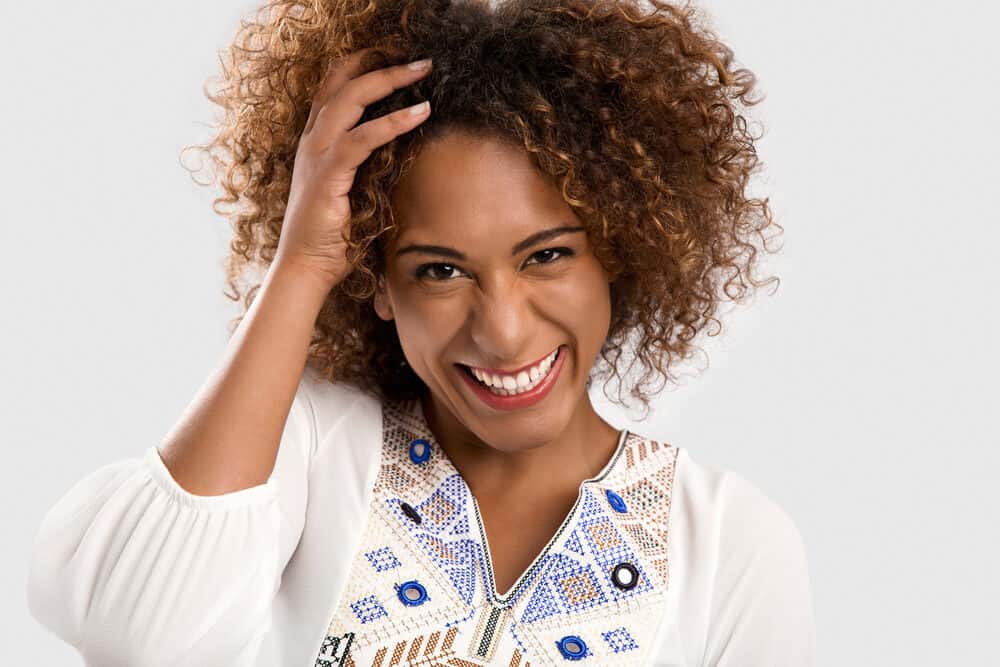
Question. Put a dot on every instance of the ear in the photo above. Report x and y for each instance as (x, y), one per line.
(381, 300)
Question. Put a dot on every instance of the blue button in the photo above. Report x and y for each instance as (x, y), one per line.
(572, 647)
(616, 502)
(420, 450)
(411, 593)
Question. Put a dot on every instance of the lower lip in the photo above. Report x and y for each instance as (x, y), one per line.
(519, 400)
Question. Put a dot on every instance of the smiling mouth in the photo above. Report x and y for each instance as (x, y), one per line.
(526, 384)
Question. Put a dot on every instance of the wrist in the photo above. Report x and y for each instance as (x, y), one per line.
(317, 282)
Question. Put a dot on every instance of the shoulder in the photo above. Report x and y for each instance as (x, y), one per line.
(339, 412)
(743, 564)
(750, 547)
(738, 509)
(754, 569)
(750, 515)
(328, 395)
(716, 514)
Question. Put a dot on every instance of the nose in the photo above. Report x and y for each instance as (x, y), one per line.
(503, 322)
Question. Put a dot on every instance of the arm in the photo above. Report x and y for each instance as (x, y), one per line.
(131, 567)
(761, 607)
(227, 439)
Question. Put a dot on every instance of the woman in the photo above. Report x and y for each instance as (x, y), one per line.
(397, 460)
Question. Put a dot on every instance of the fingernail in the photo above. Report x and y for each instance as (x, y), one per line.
(418, 109)
(420, 64)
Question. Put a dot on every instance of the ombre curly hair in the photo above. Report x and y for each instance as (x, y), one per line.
(633, 110)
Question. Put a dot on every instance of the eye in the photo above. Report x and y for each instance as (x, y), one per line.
(562, 252)
(427, 270)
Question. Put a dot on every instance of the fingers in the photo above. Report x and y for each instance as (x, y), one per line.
(338, 72)
(369, 136)
(345, 108)
(357, 144)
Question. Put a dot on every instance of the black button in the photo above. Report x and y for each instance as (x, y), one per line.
(625, 576)
(410, 512)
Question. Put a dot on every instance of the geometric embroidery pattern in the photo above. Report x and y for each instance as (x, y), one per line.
(573, 543)
(368, 609)
(424, 526)
(382, 559)
(571, 584)
(619, 640)
(334, 651)
(455, 552)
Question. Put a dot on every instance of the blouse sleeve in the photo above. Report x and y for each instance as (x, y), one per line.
(761, 605)
(132, 569)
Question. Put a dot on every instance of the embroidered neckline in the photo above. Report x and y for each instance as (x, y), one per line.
(508, 599)
(572, 587)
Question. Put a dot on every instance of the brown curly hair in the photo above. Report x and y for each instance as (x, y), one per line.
(636, 116)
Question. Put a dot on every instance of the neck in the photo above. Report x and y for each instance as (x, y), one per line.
(558, 460)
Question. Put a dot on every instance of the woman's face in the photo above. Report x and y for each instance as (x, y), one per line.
(491, 294)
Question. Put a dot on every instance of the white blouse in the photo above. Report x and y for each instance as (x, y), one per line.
(365, 547)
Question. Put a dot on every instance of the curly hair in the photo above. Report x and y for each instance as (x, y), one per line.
(637, 117)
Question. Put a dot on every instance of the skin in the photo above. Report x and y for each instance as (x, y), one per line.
(481, 197)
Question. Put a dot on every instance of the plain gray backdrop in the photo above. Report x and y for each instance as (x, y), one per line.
(860, 396)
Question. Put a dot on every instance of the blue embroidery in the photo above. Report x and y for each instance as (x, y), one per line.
(573, 543)
(568, 586)
(382, 559)
(445, 506)
(457, 559)
(576, 585)
(461, 526)
(368, 609)
(571, 584)
(619, 640)
(444, 534)
(542, 603)
(576, 575)
(608, 547)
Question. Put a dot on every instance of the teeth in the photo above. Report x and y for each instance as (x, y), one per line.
(509, 385)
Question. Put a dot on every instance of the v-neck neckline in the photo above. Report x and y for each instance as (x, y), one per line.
(508, 599)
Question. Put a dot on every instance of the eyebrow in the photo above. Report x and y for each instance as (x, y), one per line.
(535, 238)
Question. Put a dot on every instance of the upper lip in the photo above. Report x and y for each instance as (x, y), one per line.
(500, 371)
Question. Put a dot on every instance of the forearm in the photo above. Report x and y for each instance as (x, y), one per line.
(227, 439)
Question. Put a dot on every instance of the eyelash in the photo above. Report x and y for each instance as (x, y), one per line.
(422, 270)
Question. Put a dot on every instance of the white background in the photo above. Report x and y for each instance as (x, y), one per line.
(859, 396)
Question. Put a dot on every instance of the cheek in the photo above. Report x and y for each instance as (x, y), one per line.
(418, 311)
(425, 325)
(584, 302)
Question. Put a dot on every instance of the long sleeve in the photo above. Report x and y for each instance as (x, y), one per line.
(761, 611)
(132, 569)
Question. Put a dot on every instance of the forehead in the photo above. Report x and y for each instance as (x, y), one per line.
(469, 189)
